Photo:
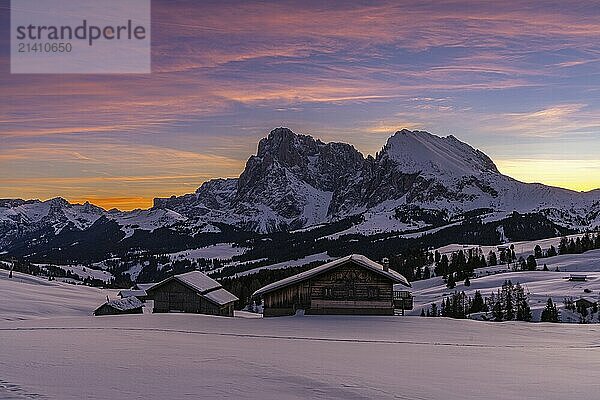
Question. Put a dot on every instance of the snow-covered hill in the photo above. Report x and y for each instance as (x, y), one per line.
(69, 354)
(539, 285)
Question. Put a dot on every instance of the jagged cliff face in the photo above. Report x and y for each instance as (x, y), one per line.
(295, 181)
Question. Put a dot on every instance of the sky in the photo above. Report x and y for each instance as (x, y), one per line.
(520, 80)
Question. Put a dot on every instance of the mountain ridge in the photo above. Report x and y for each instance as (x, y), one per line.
(296, 181)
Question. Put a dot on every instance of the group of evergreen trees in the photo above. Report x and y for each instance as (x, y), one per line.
(457, 305)
(459, 266)
(580, 244)
(550, 312)
(510, 303)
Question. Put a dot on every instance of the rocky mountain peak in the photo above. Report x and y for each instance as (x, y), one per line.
(286, 147)
(423, 152)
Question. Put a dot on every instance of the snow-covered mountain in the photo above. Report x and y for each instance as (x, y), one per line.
(295, 181)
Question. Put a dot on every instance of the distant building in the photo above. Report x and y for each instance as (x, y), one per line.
(129, 305)
(349, 285)
(578, 278)
(192, 292)
(585, 302)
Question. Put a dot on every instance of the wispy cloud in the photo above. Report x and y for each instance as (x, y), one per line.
(226, 72)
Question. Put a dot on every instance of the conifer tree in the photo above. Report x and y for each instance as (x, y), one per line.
(434, 309)
(451, 284)
(531, 264)
(492, 259)
(523, 309)
(477, 305)
(497, 312)
(550, 312)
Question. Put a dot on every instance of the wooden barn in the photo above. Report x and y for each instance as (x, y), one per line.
(349, 285)
(192, 292)
(128, 305)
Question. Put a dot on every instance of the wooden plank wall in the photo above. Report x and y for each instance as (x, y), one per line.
(348, 286)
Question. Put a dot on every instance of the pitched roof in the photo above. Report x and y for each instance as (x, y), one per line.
(205, 286)
(131, 292)
(128, 303)
(220, 296)
(356, 258)
(143, 286)
(195, 280)
(588, 299)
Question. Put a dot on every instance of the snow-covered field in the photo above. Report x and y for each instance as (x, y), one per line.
(58, 351)
(521, 248)
(221, 251)
(539, 285)
(291, 263)
(84, 272)
(30, 297)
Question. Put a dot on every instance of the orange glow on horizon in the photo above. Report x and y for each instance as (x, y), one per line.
(121, 203)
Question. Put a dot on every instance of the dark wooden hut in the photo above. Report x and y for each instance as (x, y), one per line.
(192, 292)
(349, 285)
(585, 302)
(128, 305)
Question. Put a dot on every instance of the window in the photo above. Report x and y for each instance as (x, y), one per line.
(327, 292)
(373, 292)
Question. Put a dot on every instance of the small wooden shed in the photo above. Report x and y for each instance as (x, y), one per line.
(578, 278)
(192, 292)
(585, 302)
(348, 285)
(129, 305)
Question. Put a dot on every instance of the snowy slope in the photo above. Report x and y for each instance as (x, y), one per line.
(26, 297)
(148, 220)
(292, 263)
(523, 248)
(540, 285)
(422, 152)
(195, 356)
(223, 251)
(51, 347)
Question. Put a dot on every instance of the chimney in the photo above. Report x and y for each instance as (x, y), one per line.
(386, 264)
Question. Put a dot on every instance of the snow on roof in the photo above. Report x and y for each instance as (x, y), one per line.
(220, 296)
(198, 281)
(356, 258)
(128, 303)
(195, 280)
(143, 286)
(131, 292)
(586, 298)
